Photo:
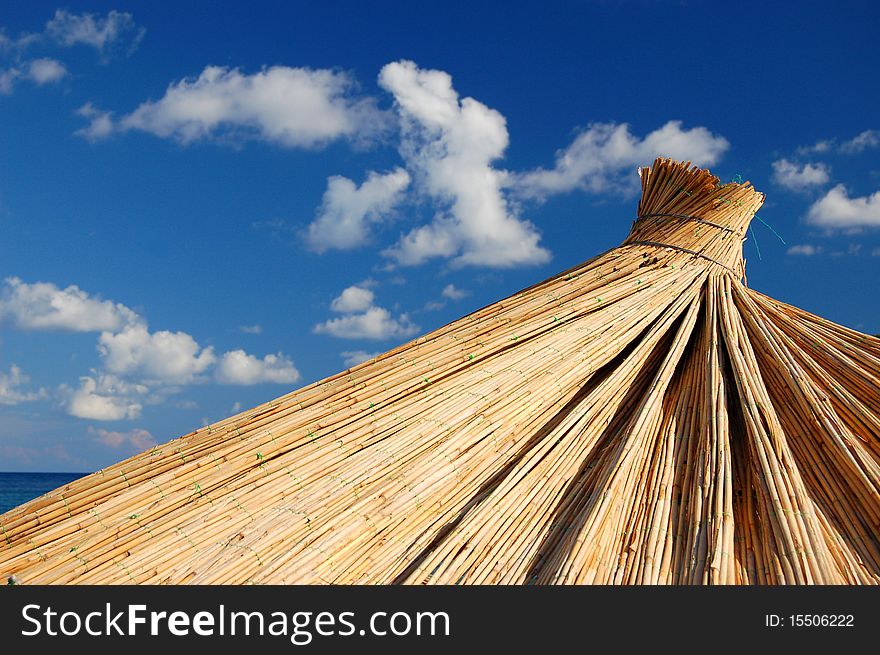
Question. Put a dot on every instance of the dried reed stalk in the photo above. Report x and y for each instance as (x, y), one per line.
(643, 418)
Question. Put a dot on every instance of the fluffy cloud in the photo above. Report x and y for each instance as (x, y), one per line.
(347, 211)
(139, 366)
(237, 367)
(100, 123)
(450, 144)
(7, 79)
(10, 387)
(805, 249)
(376, 323)
(39, 71)
(104, 34)
(168, 357)
(17, 44)
(294, 107)
(836, 210)
(137, 440)
(363, 320)
(825, 145)
(251, 329)
(450, 291)
(103, 397)
(45, 70)
(43, 306)
(800, 177)
(599, 156)
(438, 239)
(864, 141)
(353, 299)
(352, 358)
(859, 143)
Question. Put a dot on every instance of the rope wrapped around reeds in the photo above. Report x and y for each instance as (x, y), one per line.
(643, 418)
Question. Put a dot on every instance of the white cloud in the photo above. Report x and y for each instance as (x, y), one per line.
(22, 42)
(438, 239)
(375, 323)
(105, 34)
(294, 107)
(251, 329)
(136, 439)
(863, 141)
(352, 358)
(101, 33)
(347, 211)
(800, 177)
(103, 397)
(45, 71)
(449, 144)
(805, 249)
(450, 291)
(822, 146)
(363, 320)
(353, 299)
(168, 357)
(237, 367)
(10, 387)
(100, 123)
(599, 156)
(39, 71)
(139, 366)
(236, 407)
(434, 306)
(7, 80)
(837, 210)
(43, 306)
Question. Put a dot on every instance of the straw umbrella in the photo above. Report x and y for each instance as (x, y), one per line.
(642, 418)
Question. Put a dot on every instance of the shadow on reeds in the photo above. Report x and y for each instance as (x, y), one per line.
(492, 483)
(585, 490)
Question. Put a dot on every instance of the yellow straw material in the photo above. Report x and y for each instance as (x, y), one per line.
(643, 418)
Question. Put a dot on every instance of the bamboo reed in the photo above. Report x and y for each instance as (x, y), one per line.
(642, 418)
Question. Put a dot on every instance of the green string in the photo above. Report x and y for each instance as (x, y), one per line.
(756, 242)
(771, 229)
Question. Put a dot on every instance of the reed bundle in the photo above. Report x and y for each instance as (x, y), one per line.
(642, 418)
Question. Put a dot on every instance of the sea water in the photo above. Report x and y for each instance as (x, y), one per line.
(18, 488)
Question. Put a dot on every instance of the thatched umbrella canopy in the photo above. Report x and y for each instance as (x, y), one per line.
(644, 417)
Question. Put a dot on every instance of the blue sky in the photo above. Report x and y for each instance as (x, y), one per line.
(202, 209)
